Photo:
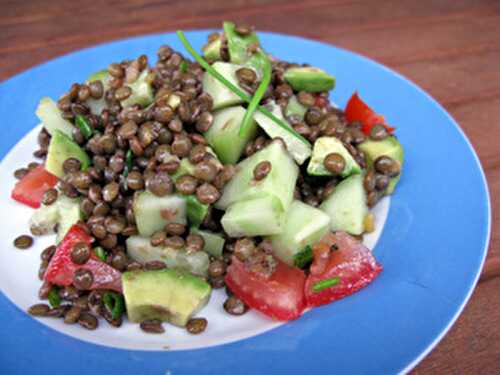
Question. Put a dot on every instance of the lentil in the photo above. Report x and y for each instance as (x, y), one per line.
(88, 321)
(334, 163)
(196, 325)
(207, 193)
(175, 229)
(23, 242)
(261, 170)
(152, 326)
(80, 253)
(186, 184)
(235, 306)
(39, 309)
(83, 279)
(386, 165)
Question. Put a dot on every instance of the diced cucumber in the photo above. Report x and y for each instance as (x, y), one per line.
(152, 213)
(44, 219)
(214, 242)
(221, 95)
(304, 225)
(347, 206)
(165, 295)
(142, 92)
(140, 249)
(51, 117)
(280, 181)
(211, 51)
(69, 214)
(327, 145)
(97, 105)
(388, 147)
(298, 149)
(196, 211)
(295, 108)
(224, 136)
(61, 147)
(254, 217)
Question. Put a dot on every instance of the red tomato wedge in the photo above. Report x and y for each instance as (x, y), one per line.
(358, 110)
(280, 296)
(61, 268)
(352, 263)
(30, 189)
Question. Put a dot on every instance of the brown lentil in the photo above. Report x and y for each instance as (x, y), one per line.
(196, 325)
(369, 181)
(246, 75)
(194, 243)
(20, 173)
(114, 224)
(175, 229)
(261, 170)
(69, 293)
(109, 242)
(80, 253)
(216, 268)
(175, 242)
(186, 184)
(160, 184)
(386, 165)
(119, 261)
(49, 197)
(33, 165)
(43, 268)
(381, 182)
(72, 315)
(378, 132)
(23, 242)
(243, 248)
(47, 253)
(306, 99)
(207, 193)
(155, 265)
(101, 209)
(313, 116)
(334, 163)
(83, 279)
(205, 171)
(158, 238)
(116, 70)
(39, 309)
(88, 321)
(235, 306)
(181, 146)
(96, 89)
(152, 326)
(110, 191)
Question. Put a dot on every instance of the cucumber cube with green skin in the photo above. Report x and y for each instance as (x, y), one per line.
(167, 295)
(195, 210)
(298, 149)
(221, 95)
(327, 145)
(152, 213)
(211, 51)
(347, 206)
(214, 242)
(142, 92)
(295, 108)
(388, 147)
(280, 181)
(51, 117)
(61, 147)
(239, 47)
(254, 217)
(306, 78)
(223, 136)
(140, 249)
(304, 225)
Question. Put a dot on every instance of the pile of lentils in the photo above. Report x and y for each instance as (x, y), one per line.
(155, 133)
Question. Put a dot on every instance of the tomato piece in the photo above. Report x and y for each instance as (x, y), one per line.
(61, 268)
(30, 189)
(281, 296)
(352, 263)
(358, 110)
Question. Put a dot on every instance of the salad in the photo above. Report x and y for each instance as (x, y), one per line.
(232, 170)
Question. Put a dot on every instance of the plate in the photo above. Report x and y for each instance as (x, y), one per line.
(432, 246)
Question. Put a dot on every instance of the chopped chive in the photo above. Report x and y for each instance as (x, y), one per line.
(84, 125)
(114, 303)
(325, 284)
(54, 299)
(100, 253)
(257, 97)
(129, 162)
(184, 66)
(304, 257)
(235, 89)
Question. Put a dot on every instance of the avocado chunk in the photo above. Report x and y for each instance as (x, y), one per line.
(168, 295)
(294, 108)
(211, 50)
(51, 117)
(347, 206)
(152, 213)
(222, 96)
(388, 147)
(214, 242)
(306, 78)
(142, 91)
(224, 136)
(297, 148)
(140, 249)
(304, 226)
(61, 147)
(280, 181)
(322, 148)
(254, 217)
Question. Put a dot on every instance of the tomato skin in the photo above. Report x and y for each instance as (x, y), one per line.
(357, 110)
(30, 189)
(352, 263)
(61, 268)
(280, 296)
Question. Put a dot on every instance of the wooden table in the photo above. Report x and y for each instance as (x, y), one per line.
(449, 47)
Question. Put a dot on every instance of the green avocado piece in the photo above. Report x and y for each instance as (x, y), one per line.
(388, 147)
(152, 213)
(61, 147)
(224, 135)
(295, 108)
(168, 295)
(214, 242)
(309, 79)
(211, 50)
(327, 145)
(222, 96)
(298, 149)
(51, 117)
(304, 226)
